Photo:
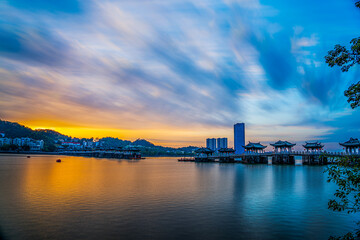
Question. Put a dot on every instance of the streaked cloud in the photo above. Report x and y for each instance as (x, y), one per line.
(175, 71)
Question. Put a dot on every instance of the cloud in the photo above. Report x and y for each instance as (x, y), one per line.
(182, 66)
(67, 6)
(33, 46)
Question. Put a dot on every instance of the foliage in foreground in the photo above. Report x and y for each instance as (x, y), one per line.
(346, 175)
(347, 58)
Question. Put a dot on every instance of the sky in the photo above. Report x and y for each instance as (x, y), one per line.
(176, 72)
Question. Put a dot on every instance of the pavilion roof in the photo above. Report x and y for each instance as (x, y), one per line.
(282, 144)
(313, 145)
(204, 150)
(226, 150)
(353, 142)
(252, 145)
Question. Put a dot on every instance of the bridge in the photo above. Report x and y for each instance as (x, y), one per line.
(123, 154)
(292, 157)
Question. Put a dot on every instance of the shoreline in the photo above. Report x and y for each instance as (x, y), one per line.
(74, 155)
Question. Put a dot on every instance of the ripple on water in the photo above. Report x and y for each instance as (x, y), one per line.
(160, 198)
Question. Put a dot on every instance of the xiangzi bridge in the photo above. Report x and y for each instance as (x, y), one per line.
(283, 153)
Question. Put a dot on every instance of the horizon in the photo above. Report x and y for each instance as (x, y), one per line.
(329, 146)
(178, 73)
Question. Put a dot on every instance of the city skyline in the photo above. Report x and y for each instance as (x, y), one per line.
(178, 73)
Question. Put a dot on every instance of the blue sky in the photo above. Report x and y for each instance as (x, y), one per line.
(177, 72)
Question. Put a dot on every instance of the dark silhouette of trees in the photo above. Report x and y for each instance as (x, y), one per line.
(347, 58)
(346, 172)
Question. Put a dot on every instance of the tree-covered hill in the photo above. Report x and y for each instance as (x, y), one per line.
(143, 142)
(51, 138)
(16, 130)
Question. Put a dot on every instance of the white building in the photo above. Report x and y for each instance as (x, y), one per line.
(22, 141)
(72, 145)
(36, 145)
(5, 141)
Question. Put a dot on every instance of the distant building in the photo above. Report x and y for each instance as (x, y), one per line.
(72, 145)
(5, 141)
(36, 145)
(22, 141)
(89, 144)
(221, 143)
(239, 138)
(17, 141)
(211, 143)
(25, 141)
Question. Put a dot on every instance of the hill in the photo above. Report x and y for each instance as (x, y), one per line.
(16, 130)
(142, 142)
(51, 138)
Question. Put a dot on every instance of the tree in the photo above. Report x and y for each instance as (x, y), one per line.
(347, 58)
(346, 172)
(346, 175)
(25, 148)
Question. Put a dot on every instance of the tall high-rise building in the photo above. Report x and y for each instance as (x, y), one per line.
(239, 138)
(211, 143)
(222, 143)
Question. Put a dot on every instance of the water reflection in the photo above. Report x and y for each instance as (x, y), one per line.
(87, 198)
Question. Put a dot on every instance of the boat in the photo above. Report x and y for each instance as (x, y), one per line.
(58, 160)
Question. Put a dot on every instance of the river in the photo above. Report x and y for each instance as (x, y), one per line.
(161, 198)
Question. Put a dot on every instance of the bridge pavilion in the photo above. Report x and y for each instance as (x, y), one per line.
(226, 151)
(352, 146)
(313, 146)
(254, 147)
(282, 146)
(204, 152)
(130, 152)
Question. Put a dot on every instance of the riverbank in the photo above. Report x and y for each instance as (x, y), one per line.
(72, 154)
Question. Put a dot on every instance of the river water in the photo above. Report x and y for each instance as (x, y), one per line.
(161, 198)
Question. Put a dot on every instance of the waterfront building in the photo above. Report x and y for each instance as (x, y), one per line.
(282, 146)
(71, 145)
(222, 143)
(211, 143)
(5, 141)
(21, 141)
(16, 141)
(254, 147)
(351, 146)
(313, 146)
(36, 145)
(239, 138)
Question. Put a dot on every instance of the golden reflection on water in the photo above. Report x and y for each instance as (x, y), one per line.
(83, 198)
(77, 180)
(56, 181)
